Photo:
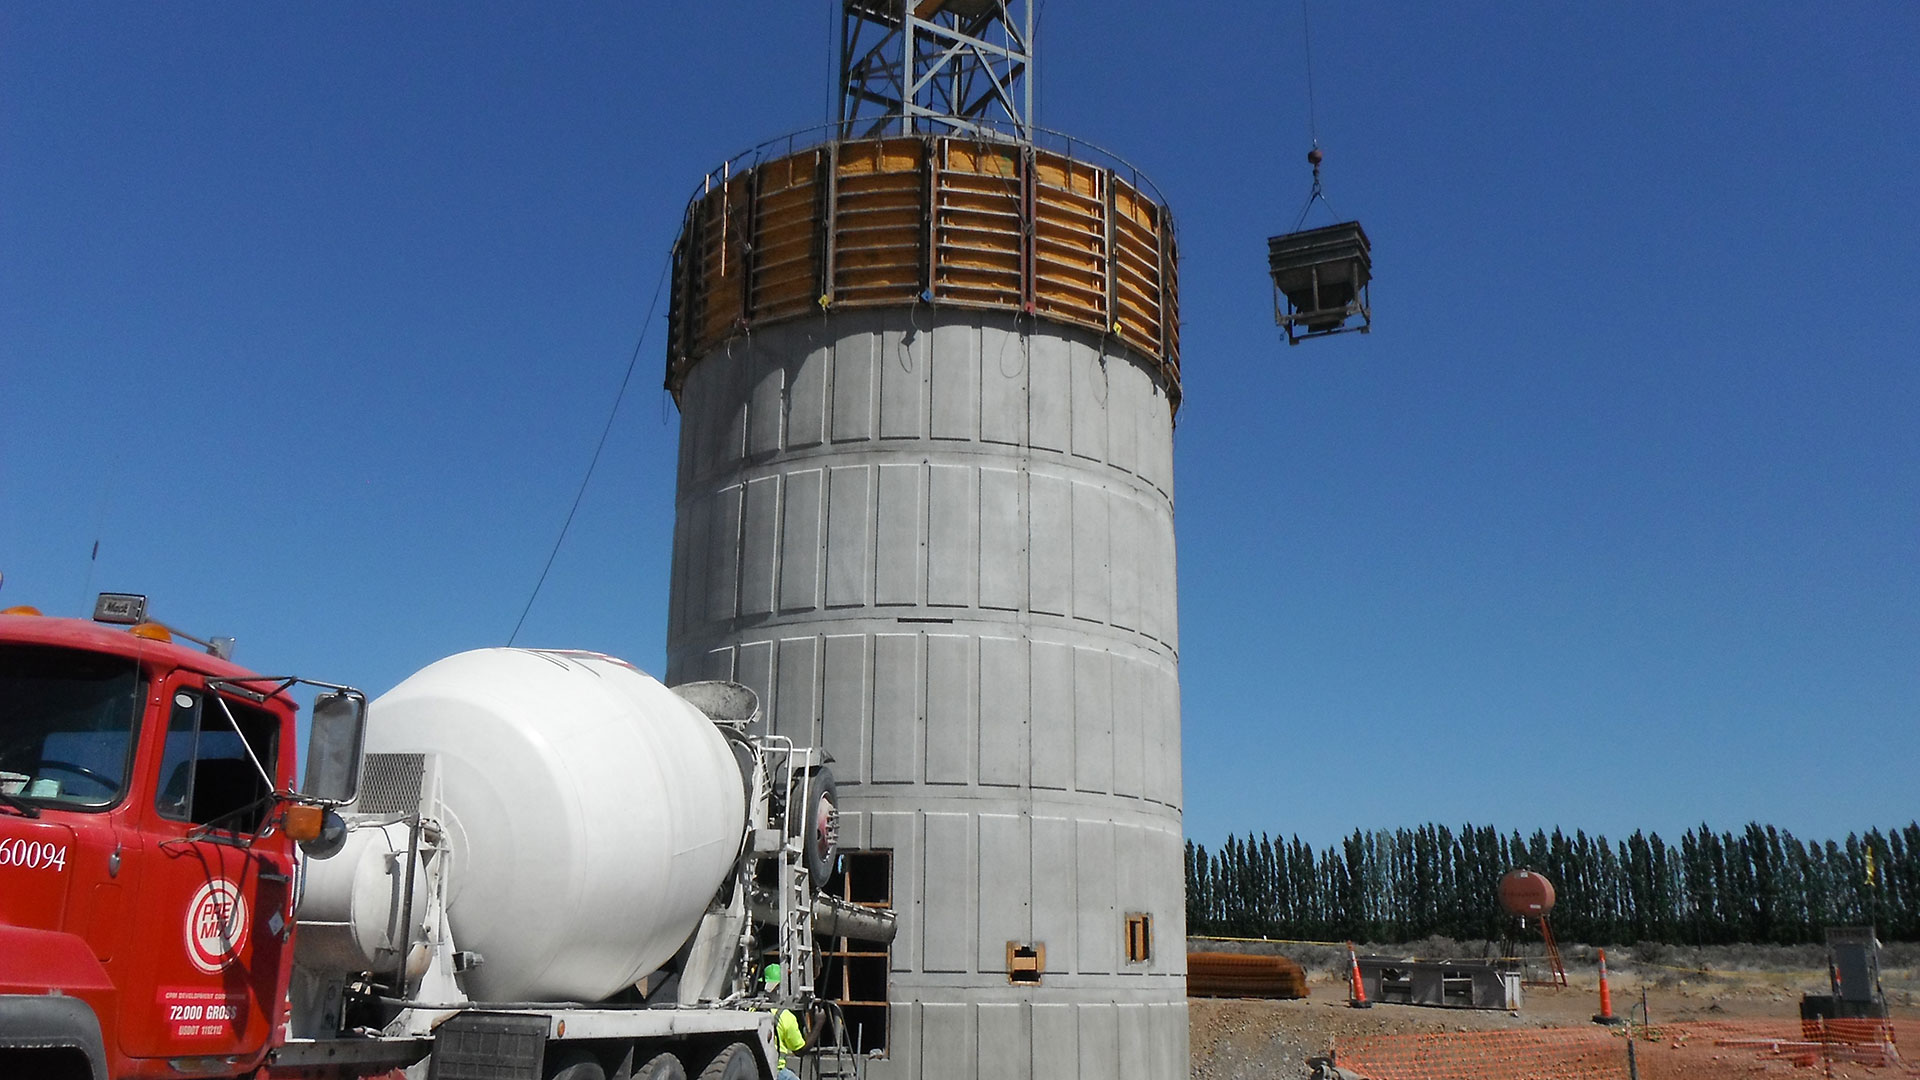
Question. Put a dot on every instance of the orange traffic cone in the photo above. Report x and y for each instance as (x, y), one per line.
(1357, 998)
(1605, 1016)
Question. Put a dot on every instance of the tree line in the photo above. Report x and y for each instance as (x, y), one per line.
(1760, 884)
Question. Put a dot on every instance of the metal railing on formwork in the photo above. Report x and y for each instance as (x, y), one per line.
(807, 138)
(1690, 1050)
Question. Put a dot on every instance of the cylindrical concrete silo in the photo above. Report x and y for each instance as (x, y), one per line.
(927, 387)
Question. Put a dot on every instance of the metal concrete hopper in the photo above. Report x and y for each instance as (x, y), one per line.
(1320, 279)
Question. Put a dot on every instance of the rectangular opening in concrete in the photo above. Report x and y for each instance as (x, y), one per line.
(1139, 938)
(854, 973)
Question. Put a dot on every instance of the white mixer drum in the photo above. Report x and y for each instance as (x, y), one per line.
(592, 815)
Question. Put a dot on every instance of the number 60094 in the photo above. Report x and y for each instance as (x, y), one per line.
(33, 854)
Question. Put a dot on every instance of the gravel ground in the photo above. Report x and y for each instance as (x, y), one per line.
(1243, 1039)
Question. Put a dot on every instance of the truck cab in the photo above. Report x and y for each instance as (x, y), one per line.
(146, 864)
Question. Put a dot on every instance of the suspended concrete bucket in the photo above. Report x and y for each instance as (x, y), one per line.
(1320, 280)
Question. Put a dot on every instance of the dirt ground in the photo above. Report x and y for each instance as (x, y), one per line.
(1271, 1040)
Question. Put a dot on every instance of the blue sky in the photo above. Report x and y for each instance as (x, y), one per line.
(312, 316)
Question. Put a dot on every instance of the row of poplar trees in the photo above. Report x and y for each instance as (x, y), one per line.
(1757, 885)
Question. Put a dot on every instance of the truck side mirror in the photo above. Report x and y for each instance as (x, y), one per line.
(333, 747)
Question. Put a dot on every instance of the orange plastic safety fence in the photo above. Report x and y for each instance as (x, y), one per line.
(1543, 1053)
(1703, 1050)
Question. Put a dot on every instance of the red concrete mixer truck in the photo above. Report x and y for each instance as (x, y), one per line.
(517, 863)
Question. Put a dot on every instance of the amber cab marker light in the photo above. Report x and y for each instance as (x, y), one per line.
(152, 631)
(304, 823)
(21, 609)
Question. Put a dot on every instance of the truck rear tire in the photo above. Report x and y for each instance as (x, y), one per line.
(734, 1063)
(578, 1065)
(662, 1067)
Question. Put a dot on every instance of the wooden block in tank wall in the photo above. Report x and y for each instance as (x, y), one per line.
(1026, 961)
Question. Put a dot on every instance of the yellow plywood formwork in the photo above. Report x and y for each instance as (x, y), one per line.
(942, 220)
(978, 249)
(1071, 247)
(878, 222)
(787, 242)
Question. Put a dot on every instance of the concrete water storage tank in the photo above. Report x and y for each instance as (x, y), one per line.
(927, 371)
(592, 814)
(925, 509)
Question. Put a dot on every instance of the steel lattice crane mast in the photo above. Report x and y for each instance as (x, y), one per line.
(936, 67)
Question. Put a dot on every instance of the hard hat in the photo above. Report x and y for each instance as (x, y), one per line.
(772, 975)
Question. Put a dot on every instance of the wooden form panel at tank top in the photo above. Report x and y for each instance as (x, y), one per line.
(903, 221)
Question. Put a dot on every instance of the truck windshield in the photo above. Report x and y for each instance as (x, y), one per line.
(67, 721)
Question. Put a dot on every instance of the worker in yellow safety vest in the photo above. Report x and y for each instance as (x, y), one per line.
(786, 1027)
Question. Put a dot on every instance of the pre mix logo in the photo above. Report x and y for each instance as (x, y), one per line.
(216, 925)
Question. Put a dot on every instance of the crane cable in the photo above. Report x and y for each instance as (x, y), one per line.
(632, 362)
(1314, 156)
(1306, 35)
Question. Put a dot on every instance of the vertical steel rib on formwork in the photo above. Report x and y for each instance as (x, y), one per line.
(1167, 332)
(1024, 161)
(829, 222)
(749, 254)
(823, 166)
(935, 149)
(1110, 318)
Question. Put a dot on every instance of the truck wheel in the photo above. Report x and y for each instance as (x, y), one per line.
(662, 1067)
(733, 1063)
(820, 828)
(577, 1065)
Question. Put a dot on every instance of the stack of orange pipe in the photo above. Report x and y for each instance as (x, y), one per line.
(1212, 974)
